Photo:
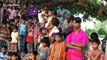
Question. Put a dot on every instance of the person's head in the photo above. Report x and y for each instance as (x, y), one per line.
(61, 6)
(43, 31)
(77, 23)
(62, 15)
(14, 29)
(22, 21)
(23, 18)
(50, 12)
(35, 19)
(4, 49)
(1, 4)
(14, 56)
(70, 21)
(93, 36)
(58, 37)
(95, 43)
(55, 22)
(3, 25)
(9, 55)
(33, 55)
(45, 41)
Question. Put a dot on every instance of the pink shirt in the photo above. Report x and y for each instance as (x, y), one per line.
(80, 38)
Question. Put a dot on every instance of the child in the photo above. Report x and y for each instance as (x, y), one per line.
(14, 56)
(14, 36)
(57, 51)
(43, 33)
(96, 54)
(37, 27)
(30, 39)
(33, 56)
(44, 50)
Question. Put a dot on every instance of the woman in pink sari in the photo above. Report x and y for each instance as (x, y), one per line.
(76, 41)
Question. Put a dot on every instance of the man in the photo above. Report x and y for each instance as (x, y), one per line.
(76, 41)
(3, 53)
(4, 35)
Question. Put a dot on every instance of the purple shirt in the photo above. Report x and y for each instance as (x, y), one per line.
(80, 38)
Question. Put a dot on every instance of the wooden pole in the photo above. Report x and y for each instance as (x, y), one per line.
(106, 52)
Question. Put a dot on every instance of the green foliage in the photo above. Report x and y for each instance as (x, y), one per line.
(101, 31)
(88, 8)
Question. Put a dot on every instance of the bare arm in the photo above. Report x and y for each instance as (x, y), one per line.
(70, 46)
(78, 45)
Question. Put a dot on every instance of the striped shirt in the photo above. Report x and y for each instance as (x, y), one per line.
(3, 34)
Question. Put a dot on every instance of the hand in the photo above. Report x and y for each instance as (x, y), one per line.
(79, 49)
(72, 43)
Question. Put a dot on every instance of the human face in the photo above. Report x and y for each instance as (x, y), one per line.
(32, 56)
(35, 20)
(44, 31)
(23, 21)
(3, 25)
(49, 13)
(13, 57)
(14, 30)
(94, 45)
(44, 44)
(76, 25)
(3, 50)
(71, 24)
(57, 38)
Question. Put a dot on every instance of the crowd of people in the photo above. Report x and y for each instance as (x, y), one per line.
(27, 33)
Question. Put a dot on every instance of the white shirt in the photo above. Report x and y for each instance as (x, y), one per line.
(14, 36)
(54, 30)
(3, 57)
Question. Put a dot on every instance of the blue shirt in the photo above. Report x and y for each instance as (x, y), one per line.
(3, 57)
(23, 29)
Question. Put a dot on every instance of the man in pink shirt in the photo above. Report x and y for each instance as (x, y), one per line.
(76, 41)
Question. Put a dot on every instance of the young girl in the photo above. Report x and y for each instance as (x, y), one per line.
(30, 39)
(14, 36)
(43, 33)
(57, 51)
(44, 50)
(96, 54)
(37, 27)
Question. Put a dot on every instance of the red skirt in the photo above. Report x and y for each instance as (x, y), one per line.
(30, 39)
(15, 44)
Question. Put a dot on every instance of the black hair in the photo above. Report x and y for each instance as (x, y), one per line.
(36, 18)
(58, 34)
(17, 17)
(94, 35)
(55, 22)
(14, 54)
(77, 19)
(4, 47)
(46, 40)
(23, 17)
(96, 41)
(1, 4)
(71, 18)
(34, 52)
(9, 54)
(41, 29)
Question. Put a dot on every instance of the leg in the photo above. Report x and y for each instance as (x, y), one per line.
(23, 43)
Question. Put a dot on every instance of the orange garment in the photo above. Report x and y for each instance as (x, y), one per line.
(61, 54)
